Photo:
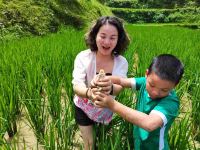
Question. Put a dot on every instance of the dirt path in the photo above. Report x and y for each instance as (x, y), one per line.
(25, 138)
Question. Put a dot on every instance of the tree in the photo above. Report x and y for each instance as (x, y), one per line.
(181, 3)
(197, 2)
(169, 4)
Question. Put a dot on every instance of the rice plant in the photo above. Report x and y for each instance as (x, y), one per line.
(36, 75)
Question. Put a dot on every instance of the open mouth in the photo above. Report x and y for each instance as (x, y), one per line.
(105, 48)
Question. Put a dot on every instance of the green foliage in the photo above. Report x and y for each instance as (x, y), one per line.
(179, 140)
(30, 17)
(141, 15)
(175, 17)
(65, 16)
(197, 2)
(31, 69)
(45, 64)
(169, 4)
(123, 3)
(195, 90)
(102, 1)
(184, 15)
(41, 17)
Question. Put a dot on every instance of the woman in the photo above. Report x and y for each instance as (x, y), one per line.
(107, 39)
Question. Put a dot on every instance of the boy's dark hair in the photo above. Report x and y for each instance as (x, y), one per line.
(167, 67)
(123, 39)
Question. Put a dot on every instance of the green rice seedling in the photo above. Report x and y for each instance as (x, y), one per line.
(182, 137)
(60, 134)
(182, 128)
(49, 139)
(192, 103)
(32, 98)
(114, 138)
(56, 72)
(116, 134)
(196, 106)
(54, 98)
(10, 105)
(2, 129)
(10, 100)
(149, 41)
(5, 145)
(69, 128)
(2, 121)
(39, 71)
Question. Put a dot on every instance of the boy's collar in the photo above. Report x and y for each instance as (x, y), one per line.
(167, 95)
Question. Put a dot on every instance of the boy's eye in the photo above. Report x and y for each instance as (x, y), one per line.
(164, 91)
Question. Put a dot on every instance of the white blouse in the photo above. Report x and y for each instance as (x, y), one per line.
(85, 67)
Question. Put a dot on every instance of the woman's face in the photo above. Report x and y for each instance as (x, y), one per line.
(106, 39)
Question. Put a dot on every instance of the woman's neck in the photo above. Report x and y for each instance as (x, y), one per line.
(103, 58)
(105, 62)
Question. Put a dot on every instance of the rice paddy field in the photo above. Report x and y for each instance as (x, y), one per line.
(36, 95)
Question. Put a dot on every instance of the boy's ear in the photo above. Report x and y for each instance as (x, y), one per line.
(147, 72)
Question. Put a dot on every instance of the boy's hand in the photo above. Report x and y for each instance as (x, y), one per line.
(103, 100)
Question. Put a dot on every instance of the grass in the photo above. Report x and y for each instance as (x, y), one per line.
(36, 74)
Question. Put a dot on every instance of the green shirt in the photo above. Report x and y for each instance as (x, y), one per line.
(167, 108)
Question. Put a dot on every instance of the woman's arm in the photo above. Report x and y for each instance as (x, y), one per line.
(80, 90)
(83, 92)
(113, 84)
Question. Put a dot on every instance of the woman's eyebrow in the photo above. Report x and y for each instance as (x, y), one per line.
(114, 35)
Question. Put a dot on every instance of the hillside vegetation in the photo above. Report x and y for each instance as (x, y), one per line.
(33, 17)
(40, 17)
(185, 12)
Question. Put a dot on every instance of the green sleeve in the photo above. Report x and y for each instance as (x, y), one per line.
(169, 106)
(139, 82)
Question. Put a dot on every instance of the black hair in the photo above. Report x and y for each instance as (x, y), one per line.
(123, 39)
(167, 67)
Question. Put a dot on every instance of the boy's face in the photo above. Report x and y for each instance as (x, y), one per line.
(157, 87)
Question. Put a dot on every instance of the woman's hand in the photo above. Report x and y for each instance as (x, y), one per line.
(102, 84)
(105, 85)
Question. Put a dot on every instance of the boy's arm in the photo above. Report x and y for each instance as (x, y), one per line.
(118, 83)
(124, 82)
(148, 122)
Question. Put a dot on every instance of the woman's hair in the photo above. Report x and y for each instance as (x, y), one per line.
(167, 67)
(123, 39)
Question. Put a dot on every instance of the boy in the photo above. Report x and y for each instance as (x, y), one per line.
(157, 103)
